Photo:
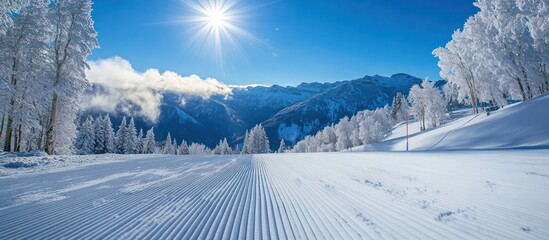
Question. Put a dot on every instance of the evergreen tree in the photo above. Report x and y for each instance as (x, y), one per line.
(256, 141)
(99, 129)
(222, 148)
(85, 139)
(399, 108)
(149, 144)
(282, 147)
(169, 148)
(131, 138)
(226, 148)
(122, 137)
(183, 149)
(245, 144)
(109, 137)
(139, 142)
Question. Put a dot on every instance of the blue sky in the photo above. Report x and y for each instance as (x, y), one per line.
(295, 40)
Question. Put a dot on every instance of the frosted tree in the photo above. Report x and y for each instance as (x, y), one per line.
(104, 135)
(262, 140)
(7, 10)
(222, 148)
(282, 146)
(500, 53)
(139, 142)
(300, 147)
(199, 149)
(131, 138)
(183, 148)
(85, 140)
(256, 141)
(354, 136)
(149, 144)
(73, 40)
(23, 52)
(370, 130)
(399, 108)
(174, 145)
(246, 143)
(428, 105)
(99, 139)
(343, 133)
(169, 148)
(121, 137)
(109, 137)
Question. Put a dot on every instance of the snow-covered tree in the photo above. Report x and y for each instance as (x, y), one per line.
(43, 49)
(500, 53)
(7, 10)
(222, 148)
(343, 133)
(399, 108)
(149, 144)
(121, 137)
(104, 135)
(183, 148)
(328, 139)
(73, 40)
(169, 148)
(23, 52)
(256, 141)
(139, 142)
(131, 138)
(428, 105)
(246, 143)
(109, 137)
(99, 140)
(199, 149)
(366, 127)
(282, 146)
(85, 140)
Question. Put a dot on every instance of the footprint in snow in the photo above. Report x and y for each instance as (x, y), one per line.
(490, 185)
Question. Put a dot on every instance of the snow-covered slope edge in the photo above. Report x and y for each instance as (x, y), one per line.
(521, 126)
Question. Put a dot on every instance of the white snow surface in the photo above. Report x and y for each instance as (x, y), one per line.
(518, 126)
(372, 195)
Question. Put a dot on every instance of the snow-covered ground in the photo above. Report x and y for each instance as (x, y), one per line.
(518, 126)
(425, 195)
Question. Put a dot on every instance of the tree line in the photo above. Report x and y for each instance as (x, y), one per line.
(425, 103)
(97, 136)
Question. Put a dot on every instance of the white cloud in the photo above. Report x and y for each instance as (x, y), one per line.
(124, 85)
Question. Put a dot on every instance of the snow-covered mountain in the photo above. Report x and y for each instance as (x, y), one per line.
(286, 112)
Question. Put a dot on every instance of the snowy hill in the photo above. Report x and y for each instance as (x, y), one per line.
(518, 126)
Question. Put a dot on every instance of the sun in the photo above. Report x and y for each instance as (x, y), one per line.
(216, 18)
(216, 25)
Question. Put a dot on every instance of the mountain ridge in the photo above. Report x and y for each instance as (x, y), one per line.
(285, 111)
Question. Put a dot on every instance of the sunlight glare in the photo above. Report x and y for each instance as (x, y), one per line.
(216, 25)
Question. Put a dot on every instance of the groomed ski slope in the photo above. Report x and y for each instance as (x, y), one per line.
(456, 195)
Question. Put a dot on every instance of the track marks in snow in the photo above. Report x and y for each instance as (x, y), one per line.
(283, 196)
